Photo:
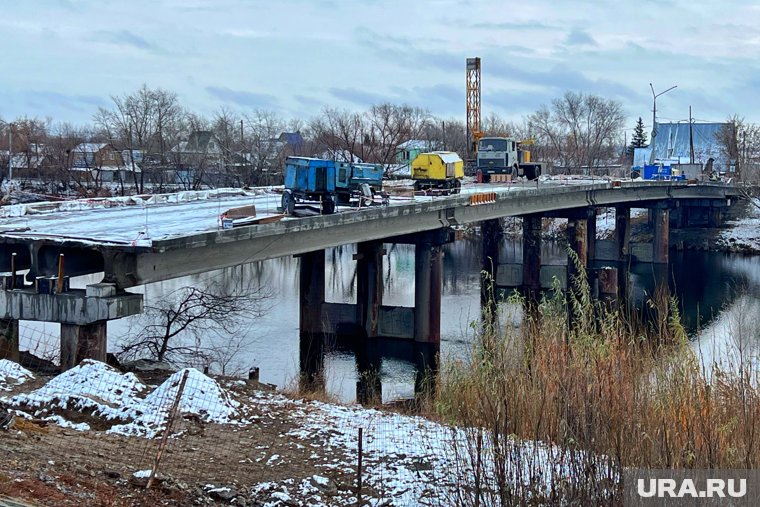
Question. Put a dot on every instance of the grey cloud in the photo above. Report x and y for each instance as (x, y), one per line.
(242, 98)
(561, 78)
(579, 38)
(510, 26)
(126, 38)
(516, 102)
(307, 101)
(46, 100)
(445, 92)
(359, 97)
(405, 52)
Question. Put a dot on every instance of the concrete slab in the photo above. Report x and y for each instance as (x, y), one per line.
(73, 307)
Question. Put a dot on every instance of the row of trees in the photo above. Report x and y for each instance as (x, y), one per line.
(574, 132)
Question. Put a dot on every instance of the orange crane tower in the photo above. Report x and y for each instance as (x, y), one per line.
(473, 106)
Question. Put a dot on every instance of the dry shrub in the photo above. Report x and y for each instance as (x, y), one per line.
(607, 391)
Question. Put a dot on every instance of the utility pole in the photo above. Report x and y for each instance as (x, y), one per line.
(743, 157)
(691, 140)
(10, 153)
(654, 119)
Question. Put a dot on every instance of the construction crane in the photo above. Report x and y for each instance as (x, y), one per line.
(473, 107)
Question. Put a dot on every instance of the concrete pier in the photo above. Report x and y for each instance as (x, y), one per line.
(591, 235)
(311, 362)
(577, 237)
(311, 339)
(428, 278)
(622, 234)
(83, 315)
(531, 256)
(369, 389)
(607, 279)
(9, 339)
(86, 341)
(714, 217)
(369, 285)
(311, 293)
(426, 365)
(661, 235)
(492, 234)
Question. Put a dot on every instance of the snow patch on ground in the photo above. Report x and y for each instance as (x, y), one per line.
(12, 374)
(113, 399)
(405, 458)
(744, 234)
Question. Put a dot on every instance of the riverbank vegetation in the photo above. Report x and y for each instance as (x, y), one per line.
(610, 390)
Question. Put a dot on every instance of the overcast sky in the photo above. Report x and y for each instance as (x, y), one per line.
(64, 58)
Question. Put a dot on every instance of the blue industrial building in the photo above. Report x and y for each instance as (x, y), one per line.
(672, 145)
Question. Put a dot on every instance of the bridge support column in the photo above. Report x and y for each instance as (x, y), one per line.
(311, 298)
(9, 339)
(83, 341)
(683, 217)
(369, 388)
(591, 236)
(608, 286)
(428, 278)
(714, 217)
(531, 256)
(622, 232)
(369, 285)
(426, 368)
(577, 235)
(491, 232)
(660, 243)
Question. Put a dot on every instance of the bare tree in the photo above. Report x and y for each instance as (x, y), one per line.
(446, 134)
(141, 119)
(264, 152)
(390, 125)
(579, 130)
(188, 323)
(339, 132)
(739, 142)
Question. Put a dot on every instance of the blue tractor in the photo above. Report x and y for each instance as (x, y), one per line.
(327, 182)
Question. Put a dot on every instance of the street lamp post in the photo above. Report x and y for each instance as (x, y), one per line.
(654, 118)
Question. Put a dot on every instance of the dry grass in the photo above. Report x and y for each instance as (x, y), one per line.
(611, 393)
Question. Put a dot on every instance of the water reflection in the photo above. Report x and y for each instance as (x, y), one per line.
(706, 284)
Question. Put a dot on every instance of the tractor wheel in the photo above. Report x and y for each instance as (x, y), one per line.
(288, 203)
(457, 186)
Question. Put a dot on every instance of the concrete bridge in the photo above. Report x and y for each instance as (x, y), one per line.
(37, 247)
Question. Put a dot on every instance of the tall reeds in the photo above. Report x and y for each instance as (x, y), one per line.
(600, 391)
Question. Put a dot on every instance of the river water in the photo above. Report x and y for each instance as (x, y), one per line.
(715, 291)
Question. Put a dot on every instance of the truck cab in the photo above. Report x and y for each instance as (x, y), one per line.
(496, 156)
(501, 156)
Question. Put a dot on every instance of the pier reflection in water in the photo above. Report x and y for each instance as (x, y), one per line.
(706, 284)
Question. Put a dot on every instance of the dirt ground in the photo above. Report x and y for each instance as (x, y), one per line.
(207, 464)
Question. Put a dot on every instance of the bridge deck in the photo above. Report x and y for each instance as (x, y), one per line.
(121, 220)
(191, 242)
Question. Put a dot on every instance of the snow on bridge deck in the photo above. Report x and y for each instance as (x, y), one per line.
(123, 220)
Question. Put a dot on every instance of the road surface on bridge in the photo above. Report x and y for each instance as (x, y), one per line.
(122, 220)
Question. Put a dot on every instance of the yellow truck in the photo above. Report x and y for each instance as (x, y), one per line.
(438, 169)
